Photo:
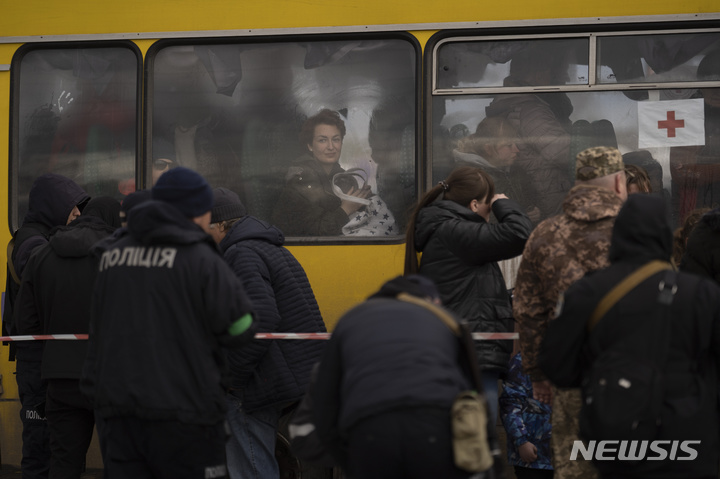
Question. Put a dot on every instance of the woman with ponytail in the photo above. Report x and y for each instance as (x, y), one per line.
(460, 250)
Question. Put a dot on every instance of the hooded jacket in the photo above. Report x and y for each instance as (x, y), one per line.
(162, 305)
(690, 412)
(702, 254)
(55, 294)
(460, 251)
(267, 373)
(51, 200)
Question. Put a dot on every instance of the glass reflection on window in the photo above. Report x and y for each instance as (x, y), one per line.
(78, 118)
(530, 154)
(512, 63)
(245, 116)
(654, 58)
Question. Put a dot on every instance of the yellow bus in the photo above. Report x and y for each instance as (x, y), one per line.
(96, 90)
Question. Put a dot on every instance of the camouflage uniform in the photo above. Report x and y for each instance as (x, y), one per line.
(559, 252)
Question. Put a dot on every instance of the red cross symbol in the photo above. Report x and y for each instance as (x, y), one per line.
(671, 124)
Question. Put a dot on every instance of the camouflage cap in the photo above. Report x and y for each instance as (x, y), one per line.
(597, 162)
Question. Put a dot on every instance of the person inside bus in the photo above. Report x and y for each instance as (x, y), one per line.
(543, 124)
(695, 170)
(391, 137)
(163, 158)
(637, 180)
(493, 147)
(460, 250)
(307, 205)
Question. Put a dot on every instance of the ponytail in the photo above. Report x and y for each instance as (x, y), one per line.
(463, 185)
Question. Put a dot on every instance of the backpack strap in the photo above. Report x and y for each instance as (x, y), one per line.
(624, 287)
(461, 332)
(10, 263)
(439, 312)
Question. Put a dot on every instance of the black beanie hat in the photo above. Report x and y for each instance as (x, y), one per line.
(186, 190)
(413, 284)
(135, 198)
(227, 206)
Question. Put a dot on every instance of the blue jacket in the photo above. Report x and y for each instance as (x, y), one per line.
(272, 372)
(525, 419)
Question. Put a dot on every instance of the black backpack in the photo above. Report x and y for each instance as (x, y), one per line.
(623, 393)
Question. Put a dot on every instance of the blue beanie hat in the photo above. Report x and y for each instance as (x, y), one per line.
(186, 190)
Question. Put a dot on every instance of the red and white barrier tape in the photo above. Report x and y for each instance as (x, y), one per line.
(37, 337)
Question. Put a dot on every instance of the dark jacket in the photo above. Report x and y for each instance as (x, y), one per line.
(51, 200)
(163, 302)
(55, 294)
(364, 371)
(460, 251)
(690, 411)
(702, 254)
(272, 372)
(307, 205)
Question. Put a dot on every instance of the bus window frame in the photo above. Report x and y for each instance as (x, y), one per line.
(592, 31)
(14, 108)
(148, 85)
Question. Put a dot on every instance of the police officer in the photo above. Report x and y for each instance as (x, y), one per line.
(165, 303)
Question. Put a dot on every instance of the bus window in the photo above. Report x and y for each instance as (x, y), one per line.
(235, 113)
(485, 64)
(652, 58)
(76, 114)
(527, 138)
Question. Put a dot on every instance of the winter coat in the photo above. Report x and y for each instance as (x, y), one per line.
(162, 305)
(690, 409)
(559, 252)
(55, 294)
(460, 251)
(265, 373)
(307, 205)
(51, 200)
(384, 354)
(545, 147)
(702, 254)
(525, 419)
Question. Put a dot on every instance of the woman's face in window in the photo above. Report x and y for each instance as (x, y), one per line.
(327, 144)
(503, 153)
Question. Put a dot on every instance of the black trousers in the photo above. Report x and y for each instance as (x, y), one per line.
(411, 443)
(142, 449)
(70, 420)
(35, 462)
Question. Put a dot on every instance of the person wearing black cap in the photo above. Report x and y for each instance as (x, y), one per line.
(130, 201)
(386, 383)
(50, 303)
(266, 375)
(165, 304)
(54, 200)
